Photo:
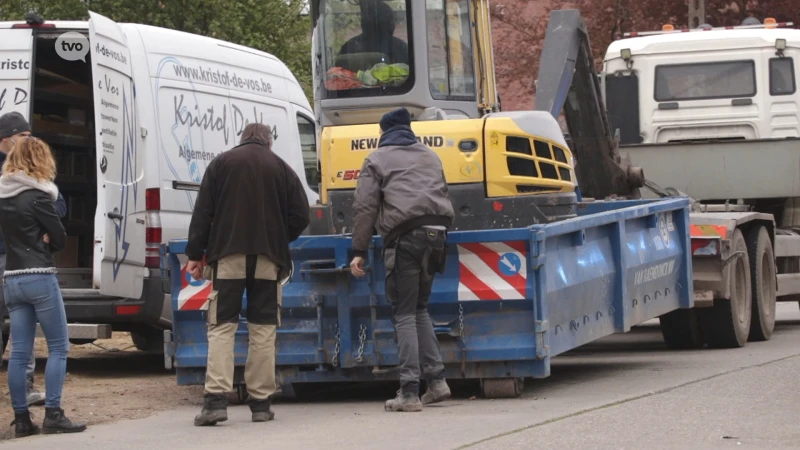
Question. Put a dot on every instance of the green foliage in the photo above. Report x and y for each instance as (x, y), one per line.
(273, 26)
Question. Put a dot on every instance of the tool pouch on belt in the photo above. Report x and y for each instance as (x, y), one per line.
(437, 254)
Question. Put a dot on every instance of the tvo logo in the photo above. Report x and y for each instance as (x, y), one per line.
(72, 46)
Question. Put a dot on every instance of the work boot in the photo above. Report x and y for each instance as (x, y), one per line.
(35, 398)
(407, 399)
(438, 390)
(261, 410)
(215, 409)
(23, 425)
(55, 422)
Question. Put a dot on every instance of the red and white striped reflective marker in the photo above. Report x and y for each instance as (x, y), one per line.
(492, 271)
(194, 293)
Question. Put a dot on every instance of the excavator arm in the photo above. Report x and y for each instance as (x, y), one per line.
(568, 82)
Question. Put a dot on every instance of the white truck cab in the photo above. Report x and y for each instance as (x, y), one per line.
(133, 127)
(727, 83)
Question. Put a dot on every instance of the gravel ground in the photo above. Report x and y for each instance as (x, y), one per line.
(107, 382)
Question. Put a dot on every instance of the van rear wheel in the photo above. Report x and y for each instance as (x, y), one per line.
(148, 341)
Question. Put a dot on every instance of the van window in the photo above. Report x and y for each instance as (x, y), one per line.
(704, 81)
(450, 50)
(781, 76)
(308, 144)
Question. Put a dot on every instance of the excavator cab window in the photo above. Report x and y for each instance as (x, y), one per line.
(367, 44)
(452, 72)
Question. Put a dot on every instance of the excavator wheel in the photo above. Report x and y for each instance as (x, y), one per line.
(502, 387)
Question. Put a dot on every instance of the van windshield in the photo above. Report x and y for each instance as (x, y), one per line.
(703, 81)
(367, 48)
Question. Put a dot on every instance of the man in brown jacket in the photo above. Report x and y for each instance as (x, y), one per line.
(402, 192)
(251, 205)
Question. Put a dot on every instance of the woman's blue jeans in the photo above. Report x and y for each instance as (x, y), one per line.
(32, 298)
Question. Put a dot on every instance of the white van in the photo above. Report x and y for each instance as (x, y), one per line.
(133, 128)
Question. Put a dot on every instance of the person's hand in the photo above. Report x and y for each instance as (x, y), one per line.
(46, 238)
(357, 267)
(195, 269)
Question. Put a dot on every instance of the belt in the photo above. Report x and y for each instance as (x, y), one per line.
(428, 230)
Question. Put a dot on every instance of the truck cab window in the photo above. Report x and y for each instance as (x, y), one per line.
(308, 145)
(367, 48)
(781, 76)
(452, 72)
(705, 81)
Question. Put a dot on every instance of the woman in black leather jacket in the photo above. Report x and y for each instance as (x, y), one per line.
(32, 232)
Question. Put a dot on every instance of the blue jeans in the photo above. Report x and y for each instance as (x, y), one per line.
(32, 362)
(30, 298)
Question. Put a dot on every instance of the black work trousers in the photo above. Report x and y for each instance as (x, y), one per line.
(411, 264)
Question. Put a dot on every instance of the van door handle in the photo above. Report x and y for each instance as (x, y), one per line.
(115, 216)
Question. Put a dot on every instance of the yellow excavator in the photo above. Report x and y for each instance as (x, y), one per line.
(435, 58)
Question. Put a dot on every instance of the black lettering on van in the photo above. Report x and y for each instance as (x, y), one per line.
(20, 96)
(206, 120)
(15, 64)
(189, 154)
(240, 121)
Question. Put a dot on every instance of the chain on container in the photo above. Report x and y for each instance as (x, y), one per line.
(362, 337)
(461, 321)
(335, 360)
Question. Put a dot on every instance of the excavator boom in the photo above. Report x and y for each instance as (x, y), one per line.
(568, 82)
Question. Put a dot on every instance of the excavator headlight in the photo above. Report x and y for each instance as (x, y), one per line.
(626, 54)
(780, 44)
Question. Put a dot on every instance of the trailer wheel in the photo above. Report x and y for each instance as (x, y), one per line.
(502, 387)
(727, 323)
(681, 329)
(762, 276)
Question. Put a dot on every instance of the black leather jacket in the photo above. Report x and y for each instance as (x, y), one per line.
(24, 219)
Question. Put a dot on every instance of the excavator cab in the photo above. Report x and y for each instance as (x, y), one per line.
(375, 55)
(433, 57)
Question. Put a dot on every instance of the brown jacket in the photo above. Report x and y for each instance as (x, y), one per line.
(401, 187)
(250, 202)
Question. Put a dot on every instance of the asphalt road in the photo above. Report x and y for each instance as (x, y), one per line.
(626, 391)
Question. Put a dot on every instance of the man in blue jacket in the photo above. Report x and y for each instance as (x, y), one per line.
(13, 126)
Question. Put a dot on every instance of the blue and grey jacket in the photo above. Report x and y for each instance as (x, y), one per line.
(61, 206)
